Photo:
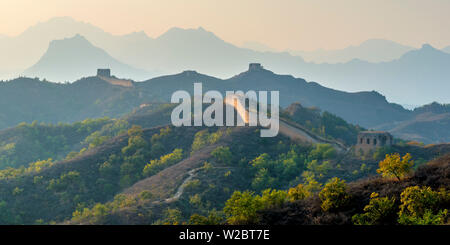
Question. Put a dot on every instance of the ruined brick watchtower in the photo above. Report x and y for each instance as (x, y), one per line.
(370, 140)
(255, 67)
(104, 72)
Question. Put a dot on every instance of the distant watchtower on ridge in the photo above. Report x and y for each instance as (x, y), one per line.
(104, 72)
(370, 140)
(255, 67)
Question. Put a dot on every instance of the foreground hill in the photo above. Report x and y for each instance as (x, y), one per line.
(435, 174)
(202, 183)
(125, 174)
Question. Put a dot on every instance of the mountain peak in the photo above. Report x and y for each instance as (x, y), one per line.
(76, 41)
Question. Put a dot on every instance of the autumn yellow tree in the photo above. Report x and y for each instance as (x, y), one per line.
(395, 166)
(334, 194)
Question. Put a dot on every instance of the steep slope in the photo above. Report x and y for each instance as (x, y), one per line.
(72, 58)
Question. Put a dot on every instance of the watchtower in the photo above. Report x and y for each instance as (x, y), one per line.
(255, 67)
(104, 72)
(370, 140)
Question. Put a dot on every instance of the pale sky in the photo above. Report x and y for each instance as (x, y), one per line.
(280, 24)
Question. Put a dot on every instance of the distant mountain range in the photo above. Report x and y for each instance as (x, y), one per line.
(417, 77)
(372, 50)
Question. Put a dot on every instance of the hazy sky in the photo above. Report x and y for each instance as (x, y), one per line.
(281, 24)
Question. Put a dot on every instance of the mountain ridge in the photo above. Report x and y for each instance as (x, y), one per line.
(204, 51)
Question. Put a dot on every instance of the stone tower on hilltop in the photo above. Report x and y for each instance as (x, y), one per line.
(371, 140)
(104, 72)
(255, 67)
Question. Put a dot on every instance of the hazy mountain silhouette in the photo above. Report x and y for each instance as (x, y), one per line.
(25, 49)
(417, 77)
(72, 58)
(372, 50)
